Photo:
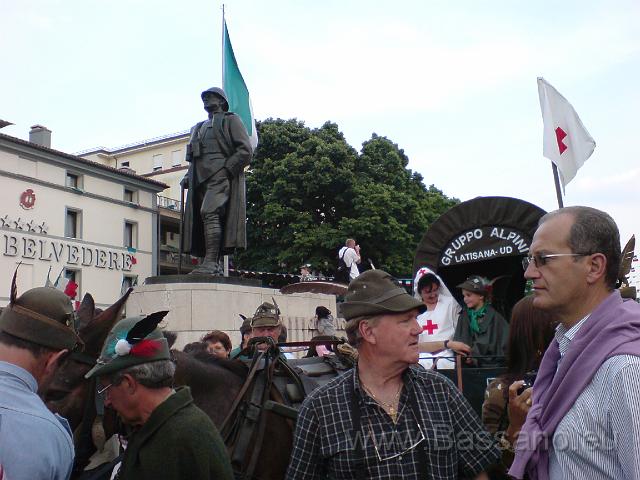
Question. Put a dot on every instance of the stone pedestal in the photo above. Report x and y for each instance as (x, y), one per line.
(198, 304)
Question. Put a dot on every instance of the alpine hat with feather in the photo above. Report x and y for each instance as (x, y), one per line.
(42, 315)
(132, 341)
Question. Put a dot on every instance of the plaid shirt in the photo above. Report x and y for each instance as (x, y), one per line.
(455, 442)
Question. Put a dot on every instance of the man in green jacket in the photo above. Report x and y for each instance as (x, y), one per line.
(172, 438)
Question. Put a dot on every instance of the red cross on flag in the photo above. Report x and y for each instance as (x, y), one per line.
(566, 142)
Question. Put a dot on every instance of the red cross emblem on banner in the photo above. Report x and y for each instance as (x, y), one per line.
(430, 327)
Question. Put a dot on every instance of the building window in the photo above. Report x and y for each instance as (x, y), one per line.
(130, 234)
(73, 223)
(74, 276)
(176, 158)
(124, 164)
(130, 196)
(157, 162)
(73, 180)
(128, 281)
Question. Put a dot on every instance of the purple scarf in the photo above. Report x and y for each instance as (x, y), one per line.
(612, 329)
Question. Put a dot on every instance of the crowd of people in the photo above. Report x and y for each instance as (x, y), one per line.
(564, 408)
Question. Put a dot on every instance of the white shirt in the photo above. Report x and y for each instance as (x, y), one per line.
(351, 258)
(599, 437)
(438, 325)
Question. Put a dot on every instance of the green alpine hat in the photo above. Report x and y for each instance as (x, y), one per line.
(267, 315)
(376, 292)
(43, 316)
(132, 341)
(476, 284)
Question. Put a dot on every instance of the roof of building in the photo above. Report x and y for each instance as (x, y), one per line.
(83, 161)
(131, 146)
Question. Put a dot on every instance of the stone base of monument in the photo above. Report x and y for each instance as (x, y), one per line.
(198, 304)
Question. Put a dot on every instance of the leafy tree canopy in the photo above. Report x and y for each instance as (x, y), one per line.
(308, 190)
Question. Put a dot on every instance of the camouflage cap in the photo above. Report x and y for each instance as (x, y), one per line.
(43, 316)
(376, 292)
(117, 354)
(476, 284)
(267, 315)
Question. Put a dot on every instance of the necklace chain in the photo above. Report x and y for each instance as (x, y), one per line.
(391, 408)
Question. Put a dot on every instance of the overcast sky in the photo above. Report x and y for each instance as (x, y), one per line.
(453, 83)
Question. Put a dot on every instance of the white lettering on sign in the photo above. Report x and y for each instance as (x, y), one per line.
(482, 243)
(513, 237)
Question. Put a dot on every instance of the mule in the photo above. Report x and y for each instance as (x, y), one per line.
(214, 385)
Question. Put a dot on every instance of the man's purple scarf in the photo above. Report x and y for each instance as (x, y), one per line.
(613, 328)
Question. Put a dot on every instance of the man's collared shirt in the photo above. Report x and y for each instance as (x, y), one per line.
(454, 440)
(34, 443)
(598, 437)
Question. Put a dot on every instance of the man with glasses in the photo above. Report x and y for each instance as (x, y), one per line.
(387, 417)
(172, 438)
(35, 338)
(584, 420)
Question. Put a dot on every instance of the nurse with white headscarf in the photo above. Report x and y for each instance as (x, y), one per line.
(438, 322)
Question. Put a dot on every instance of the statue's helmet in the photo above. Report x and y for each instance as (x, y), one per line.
(220, 92)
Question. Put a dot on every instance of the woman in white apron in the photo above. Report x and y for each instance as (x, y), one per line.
(438, 322)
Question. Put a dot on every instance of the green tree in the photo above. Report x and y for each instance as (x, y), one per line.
(308, 190)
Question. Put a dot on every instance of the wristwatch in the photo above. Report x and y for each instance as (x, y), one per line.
(446, 344)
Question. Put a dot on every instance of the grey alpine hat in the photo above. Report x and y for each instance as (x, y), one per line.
(376, 292)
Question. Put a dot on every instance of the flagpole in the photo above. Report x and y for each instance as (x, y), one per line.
(225, 258)
(556, 178)
(222, 48)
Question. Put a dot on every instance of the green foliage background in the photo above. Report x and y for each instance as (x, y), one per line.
(308, 190)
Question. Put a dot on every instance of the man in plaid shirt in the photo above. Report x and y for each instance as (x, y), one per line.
(387, 418)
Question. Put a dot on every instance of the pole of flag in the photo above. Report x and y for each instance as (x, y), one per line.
(556, 179)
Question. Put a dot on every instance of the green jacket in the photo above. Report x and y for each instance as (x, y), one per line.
(179, 441)
(490, 340)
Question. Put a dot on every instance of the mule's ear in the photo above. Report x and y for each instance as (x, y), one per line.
(96, 332)
(86, 311)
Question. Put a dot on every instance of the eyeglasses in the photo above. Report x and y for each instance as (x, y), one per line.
(103, 390)
(541, 260)
(391, 457)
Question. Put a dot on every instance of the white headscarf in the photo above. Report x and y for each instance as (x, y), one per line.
(444, 290)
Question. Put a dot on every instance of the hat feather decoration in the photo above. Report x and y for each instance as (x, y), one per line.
(14, 287)
(134, 343)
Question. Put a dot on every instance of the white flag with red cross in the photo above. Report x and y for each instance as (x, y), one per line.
(566, 142)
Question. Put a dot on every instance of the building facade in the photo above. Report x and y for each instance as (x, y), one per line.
(161, 159)
(63, 218)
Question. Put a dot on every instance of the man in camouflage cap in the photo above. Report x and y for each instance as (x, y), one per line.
(36, 335)
(172, 438)
(266, 322)
(386, 396)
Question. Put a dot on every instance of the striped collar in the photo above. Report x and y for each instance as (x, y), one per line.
(564, 336)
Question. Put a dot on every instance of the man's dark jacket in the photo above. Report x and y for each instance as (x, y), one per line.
(237, 148)
(178, 441)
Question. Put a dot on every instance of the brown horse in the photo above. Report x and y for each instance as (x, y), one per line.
(214, 385)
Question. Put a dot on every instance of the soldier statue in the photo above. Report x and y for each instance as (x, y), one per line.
(215, 212)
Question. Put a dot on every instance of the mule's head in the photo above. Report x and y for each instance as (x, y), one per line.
(67, 392)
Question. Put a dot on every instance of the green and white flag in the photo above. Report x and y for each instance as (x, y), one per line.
(236, 89)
